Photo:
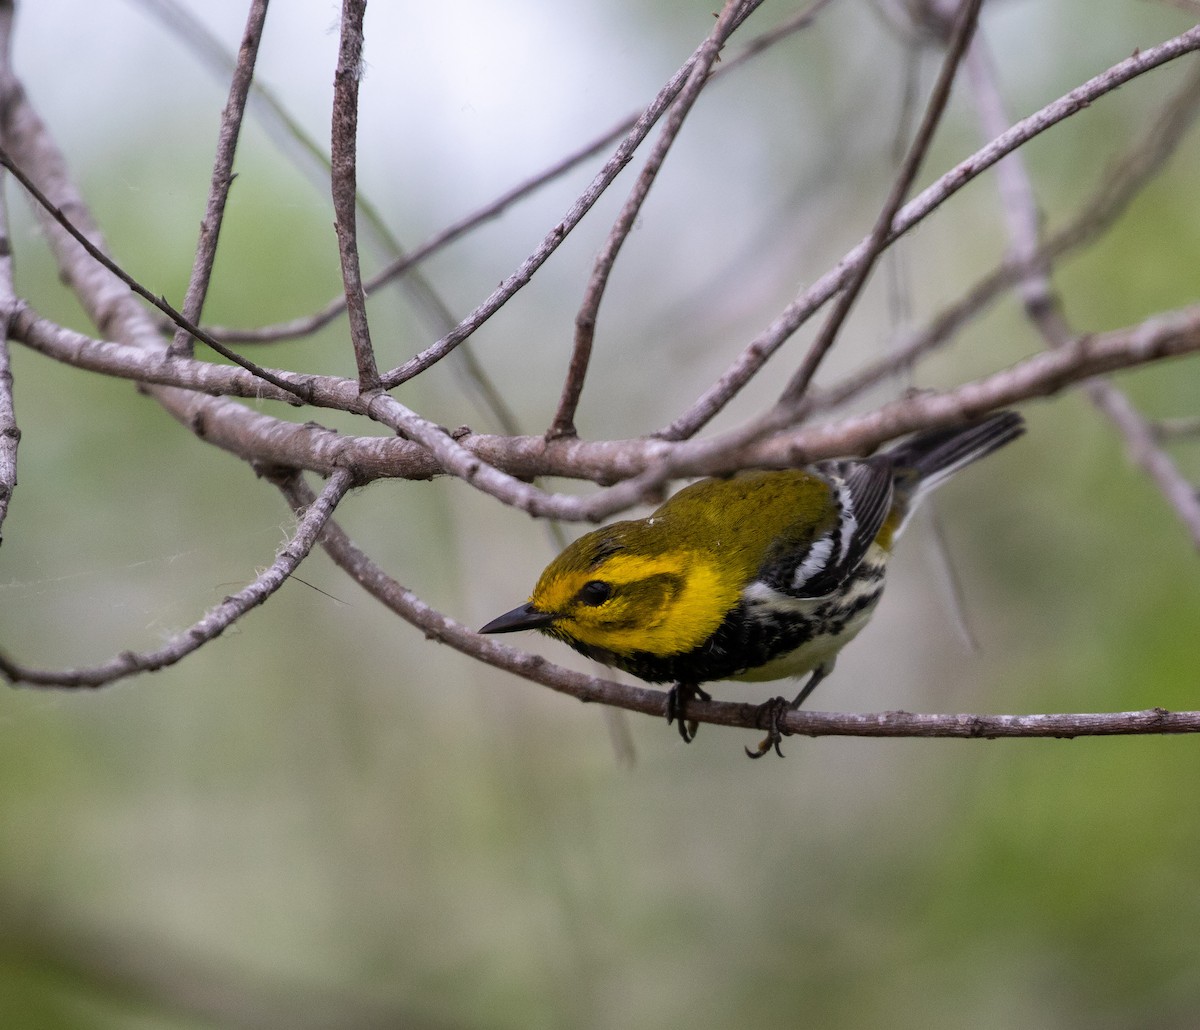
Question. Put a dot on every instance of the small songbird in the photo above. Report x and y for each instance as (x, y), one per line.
(759, 576)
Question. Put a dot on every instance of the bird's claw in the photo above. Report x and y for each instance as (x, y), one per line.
(770, 717)
(678, 699)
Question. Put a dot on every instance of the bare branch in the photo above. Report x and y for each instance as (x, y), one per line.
(214, 622)
(964, 28)
(222, 173)
(1039, 376)
(990, 727)
(802, 308)
(1018, 204)
(345, 191)
(10, 434)
(732, 15)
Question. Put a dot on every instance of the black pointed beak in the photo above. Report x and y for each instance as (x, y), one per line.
(525, 617)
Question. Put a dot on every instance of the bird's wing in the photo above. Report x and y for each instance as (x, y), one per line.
(861, 492)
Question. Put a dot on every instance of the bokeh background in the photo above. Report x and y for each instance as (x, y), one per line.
(323, 820)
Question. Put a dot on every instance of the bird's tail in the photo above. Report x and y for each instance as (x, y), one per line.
(928, 459)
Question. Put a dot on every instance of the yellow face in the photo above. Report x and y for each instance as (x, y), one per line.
(665, 603)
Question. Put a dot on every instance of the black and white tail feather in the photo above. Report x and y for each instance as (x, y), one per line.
(928, 459)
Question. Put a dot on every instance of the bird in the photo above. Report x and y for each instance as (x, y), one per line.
(762, 575)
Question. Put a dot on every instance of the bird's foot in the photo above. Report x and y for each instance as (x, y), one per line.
(770, 718)
(678, 699)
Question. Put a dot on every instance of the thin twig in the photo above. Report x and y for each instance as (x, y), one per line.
(1018, 203)
(213, 623)
(98, 255)
(222, 173)
(10, 433)
(732, 15)
(403, 264)
(756, 353)
(964, 27)
(344, 137)
(1174, 428)
(1144, 451)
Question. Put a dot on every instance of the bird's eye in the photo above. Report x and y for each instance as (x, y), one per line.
(595, 592)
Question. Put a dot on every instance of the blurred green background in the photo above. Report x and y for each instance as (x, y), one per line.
(323, 820)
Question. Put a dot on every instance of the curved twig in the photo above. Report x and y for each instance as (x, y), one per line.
(222, 174)
(314, 517)
(344, 178)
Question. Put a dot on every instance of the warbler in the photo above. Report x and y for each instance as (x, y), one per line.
(759, 576)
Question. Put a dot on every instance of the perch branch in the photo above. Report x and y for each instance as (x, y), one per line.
(436, 626)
